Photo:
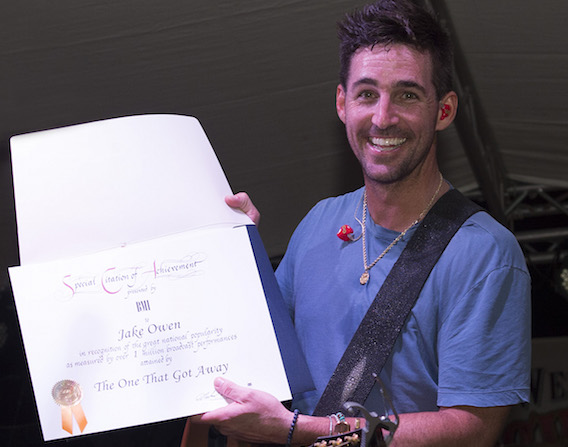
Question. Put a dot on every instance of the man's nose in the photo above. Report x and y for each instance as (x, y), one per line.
(384, 114)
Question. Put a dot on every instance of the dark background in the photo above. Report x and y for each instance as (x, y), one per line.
(261, 75)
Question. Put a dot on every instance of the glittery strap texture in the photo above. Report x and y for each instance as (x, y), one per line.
(352, 380)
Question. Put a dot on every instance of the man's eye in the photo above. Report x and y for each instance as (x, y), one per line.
(366, 94)
(409, 95)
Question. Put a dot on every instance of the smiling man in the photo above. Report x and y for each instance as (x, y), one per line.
(391, 112)
(462, 357)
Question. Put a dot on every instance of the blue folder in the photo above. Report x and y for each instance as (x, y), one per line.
(297, 372)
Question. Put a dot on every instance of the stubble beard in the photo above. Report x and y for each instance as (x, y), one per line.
(388, 175)
(391, 174)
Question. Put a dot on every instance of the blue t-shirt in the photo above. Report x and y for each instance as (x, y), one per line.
(467, 339)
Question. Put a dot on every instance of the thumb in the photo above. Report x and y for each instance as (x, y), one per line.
(230, 391)
(232, 394)
(242, 201)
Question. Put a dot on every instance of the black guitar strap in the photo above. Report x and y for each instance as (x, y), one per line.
(353, 378)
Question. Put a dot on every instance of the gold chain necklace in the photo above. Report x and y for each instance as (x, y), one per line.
(365, 276)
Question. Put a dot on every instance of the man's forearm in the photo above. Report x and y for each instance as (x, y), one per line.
(456, 426)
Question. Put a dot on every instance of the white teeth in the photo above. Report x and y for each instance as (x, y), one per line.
(387, 143)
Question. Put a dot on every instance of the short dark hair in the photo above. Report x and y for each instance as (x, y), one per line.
(387, 22)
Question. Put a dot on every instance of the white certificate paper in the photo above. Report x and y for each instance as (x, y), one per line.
(94, 186)
(144, 330)
(127, 317)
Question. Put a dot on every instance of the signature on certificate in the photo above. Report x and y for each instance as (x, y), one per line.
(209, 395)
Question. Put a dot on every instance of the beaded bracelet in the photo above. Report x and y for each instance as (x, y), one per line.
(292, 427)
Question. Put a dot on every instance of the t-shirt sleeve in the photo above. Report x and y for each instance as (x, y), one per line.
(484, 343)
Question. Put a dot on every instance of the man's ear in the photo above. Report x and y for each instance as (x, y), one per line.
(447, 111)
(340, 102)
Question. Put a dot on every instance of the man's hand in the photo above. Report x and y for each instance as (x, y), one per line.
(242, 201)
(251, 415)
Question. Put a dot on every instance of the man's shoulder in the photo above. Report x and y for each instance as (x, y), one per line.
(483, 236)
(337, 204)
(348, 197)
(482, 224)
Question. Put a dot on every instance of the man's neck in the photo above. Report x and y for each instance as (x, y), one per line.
(396, 206)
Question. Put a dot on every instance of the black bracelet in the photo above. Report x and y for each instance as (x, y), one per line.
(292, 427)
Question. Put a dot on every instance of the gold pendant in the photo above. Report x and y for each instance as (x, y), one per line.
(364, 278)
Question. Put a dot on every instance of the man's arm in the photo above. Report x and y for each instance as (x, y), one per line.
(456, 426)
(256, 416)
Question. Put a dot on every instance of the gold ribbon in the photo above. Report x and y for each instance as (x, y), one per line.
(67, 394)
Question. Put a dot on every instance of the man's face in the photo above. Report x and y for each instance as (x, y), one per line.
(390, 111)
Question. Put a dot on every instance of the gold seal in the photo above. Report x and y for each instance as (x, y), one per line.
(67, 393)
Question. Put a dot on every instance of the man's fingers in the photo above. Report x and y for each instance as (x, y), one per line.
(218, 415)
(242, 201)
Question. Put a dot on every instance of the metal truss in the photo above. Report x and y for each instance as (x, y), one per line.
(538, 216)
